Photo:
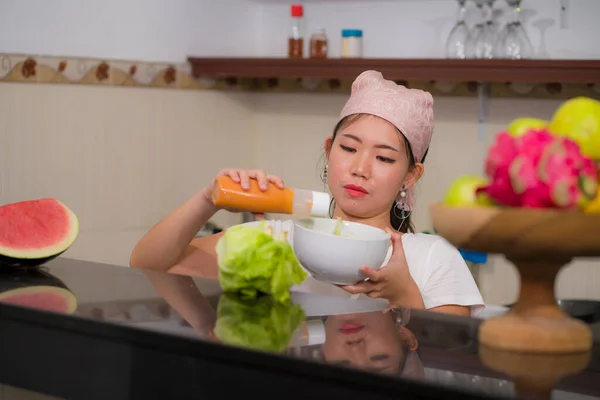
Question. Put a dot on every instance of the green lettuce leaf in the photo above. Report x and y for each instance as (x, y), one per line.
(259, 323)
(251, 261)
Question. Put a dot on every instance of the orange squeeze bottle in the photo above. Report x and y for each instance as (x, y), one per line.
(229, 194)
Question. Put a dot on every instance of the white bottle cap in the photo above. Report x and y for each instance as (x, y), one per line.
(316, 331)
(320, 204)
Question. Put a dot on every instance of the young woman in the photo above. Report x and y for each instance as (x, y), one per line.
(374, 158)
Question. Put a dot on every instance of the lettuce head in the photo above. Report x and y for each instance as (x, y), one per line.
(251, 261)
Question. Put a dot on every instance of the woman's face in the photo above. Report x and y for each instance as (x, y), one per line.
(367, 341)
(367, 166)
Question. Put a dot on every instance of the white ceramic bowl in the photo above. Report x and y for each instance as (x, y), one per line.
(337, 259)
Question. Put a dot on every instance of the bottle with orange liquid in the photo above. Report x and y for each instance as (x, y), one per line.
(307, 203)
(296, 36)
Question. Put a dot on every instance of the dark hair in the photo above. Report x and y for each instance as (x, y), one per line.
(396, 222)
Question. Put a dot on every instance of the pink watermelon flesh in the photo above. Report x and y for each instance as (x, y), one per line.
(45, 298)
(33, 224)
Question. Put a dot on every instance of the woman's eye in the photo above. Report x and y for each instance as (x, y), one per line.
(385, 160)
(346, 148)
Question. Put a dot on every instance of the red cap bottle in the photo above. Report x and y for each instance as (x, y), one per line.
(297, 10)
(296, 36)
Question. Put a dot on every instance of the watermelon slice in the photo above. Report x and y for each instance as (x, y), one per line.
(33, 232)
(35, 288)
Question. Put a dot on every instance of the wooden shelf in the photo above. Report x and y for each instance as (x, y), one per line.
(531, 71)
(524, 78)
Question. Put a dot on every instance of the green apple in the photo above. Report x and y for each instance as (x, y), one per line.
(520, 126)
(462, 193)
(579, 120)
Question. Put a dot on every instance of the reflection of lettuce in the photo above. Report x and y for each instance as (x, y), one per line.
(251, 261)
(258, 323)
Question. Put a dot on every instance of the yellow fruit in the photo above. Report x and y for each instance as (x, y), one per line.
(520, 126)
(579, 120)
(593, 207)
(462, 193)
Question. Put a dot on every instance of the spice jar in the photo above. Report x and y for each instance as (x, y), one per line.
(318, 44)
(352, 43)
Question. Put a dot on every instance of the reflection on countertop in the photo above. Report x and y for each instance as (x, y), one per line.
(439, 350)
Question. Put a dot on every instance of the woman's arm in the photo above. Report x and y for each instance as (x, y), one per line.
(168, 243)
(448, 285)
(452, 309)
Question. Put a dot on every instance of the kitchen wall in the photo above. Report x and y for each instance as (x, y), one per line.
(97, 146)
(170, 30)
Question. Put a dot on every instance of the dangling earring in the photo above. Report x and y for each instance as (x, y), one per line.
(324, 174)
(324, 177)
(403, 192)
(401, 205)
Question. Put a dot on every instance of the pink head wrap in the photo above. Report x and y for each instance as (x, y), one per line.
(409, 110)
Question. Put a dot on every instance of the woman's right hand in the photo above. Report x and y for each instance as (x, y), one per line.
(243, 177)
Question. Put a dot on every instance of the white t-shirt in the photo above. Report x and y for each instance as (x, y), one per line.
(436, 266)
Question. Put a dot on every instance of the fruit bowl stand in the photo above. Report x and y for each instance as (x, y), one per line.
(539, 242)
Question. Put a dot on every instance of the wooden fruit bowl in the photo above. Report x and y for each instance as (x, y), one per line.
(539, 242)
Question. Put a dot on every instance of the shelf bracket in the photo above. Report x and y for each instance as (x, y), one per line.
(483, 97)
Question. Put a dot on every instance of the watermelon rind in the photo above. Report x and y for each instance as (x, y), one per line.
(34, 257)
(35, 280)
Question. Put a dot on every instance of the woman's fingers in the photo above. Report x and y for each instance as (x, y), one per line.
(232, 173)
(261, 177)
(277, 181)
(397, 248)
(363, 287)
(243, 177)
(374, 276)
(374, 294)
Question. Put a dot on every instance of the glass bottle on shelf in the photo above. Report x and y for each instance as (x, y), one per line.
(296, 35)
(318, 43)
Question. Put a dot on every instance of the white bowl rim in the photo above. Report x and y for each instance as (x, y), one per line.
(362, 239)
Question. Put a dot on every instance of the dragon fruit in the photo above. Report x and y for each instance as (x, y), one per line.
(539, 170)
(497, 164)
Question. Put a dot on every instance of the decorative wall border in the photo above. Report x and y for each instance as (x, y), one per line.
(93, 71)
(137, 74)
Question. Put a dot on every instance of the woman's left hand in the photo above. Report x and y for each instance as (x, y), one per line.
(392, 282)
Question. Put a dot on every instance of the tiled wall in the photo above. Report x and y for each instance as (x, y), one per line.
(122, 157)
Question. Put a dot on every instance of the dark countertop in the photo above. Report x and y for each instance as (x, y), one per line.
(143, 334)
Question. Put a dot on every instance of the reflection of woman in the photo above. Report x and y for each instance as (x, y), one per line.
(373, 341)
(182, 294)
